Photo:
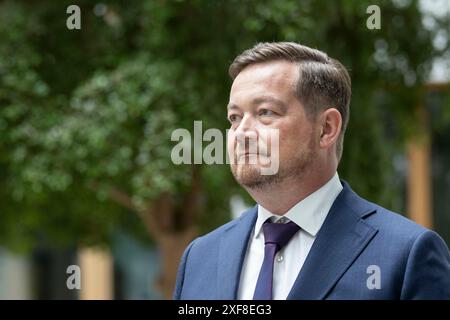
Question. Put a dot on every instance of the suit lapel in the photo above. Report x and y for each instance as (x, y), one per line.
(342, 238)
(233, 247)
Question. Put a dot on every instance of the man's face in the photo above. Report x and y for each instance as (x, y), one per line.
(262, 102)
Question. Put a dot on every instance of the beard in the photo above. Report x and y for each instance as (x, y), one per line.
(295, 166)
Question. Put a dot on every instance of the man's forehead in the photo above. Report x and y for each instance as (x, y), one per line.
(269, 74)
(276, 79)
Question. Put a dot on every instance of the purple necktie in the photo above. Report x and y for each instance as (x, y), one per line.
(276, 235)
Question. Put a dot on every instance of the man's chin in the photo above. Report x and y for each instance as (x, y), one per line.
(249, 176)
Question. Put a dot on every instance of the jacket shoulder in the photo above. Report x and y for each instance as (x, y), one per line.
(215, 235)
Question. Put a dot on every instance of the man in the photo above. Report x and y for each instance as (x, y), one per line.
(310, 236)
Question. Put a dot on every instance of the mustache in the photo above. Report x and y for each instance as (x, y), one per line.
(251, 146)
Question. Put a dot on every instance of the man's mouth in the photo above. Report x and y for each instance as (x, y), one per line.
(249, 154)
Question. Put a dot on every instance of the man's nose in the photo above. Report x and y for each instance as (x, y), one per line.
(246, 127)
(246, 132)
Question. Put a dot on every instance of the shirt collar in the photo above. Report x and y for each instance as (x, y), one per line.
(310, 213)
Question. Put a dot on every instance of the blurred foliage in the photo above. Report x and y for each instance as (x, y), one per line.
(82, 111)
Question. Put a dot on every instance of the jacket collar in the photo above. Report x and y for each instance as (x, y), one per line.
(342, 238)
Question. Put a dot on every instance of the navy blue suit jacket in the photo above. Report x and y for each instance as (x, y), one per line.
(358, 241)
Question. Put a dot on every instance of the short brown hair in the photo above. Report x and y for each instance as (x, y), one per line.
(323, 82)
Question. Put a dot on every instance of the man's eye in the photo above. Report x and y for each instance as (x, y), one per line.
(233, 118)
(266, 112)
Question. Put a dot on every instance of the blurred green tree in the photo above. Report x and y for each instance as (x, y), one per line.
(86, 115)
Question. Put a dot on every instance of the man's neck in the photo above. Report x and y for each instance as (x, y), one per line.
(280, 197)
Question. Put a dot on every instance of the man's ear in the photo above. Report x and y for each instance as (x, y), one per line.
(330, 127)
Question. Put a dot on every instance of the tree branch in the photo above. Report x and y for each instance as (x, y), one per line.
(122, 198)
(147, 215)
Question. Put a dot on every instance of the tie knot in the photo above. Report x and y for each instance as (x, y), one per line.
(279, 233)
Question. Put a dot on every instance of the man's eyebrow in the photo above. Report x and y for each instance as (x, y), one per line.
(273, 100)
(231, 106)
(260, 100)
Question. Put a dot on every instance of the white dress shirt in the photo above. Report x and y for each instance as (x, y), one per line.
(309, 214)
